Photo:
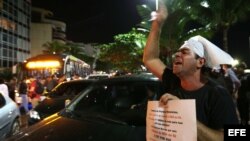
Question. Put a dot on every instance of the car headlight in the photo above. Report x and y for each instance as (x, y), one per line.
(34, 114)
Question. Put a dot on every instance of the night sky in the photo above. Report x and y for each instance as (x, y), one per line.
(93, 20)
(97, 21)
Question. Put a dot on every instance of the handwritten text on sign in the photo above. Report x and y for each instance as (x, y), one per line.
(175, 121)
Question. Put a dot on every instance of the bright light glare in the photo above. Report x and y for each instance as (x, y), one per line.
(235, 62)
(43, 64)
(142, 29)
(34, 114)
(204, 4)
(144, 5)
(247, 71)
(156, 4)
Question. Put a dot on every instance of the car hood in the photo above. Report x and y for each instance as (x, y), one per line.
(57, 127)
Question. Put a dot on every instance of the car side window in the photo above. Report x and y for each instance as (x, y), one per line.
(130, 102)
(71, 89)
(124, 101)
(93, 101)
(67, 90)
(61, 89)
(120, 99)
(2, 100)
(79, 87)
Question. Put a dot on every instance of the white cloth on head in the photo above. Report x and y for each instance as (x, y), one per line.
(195, 46)
(214, 55)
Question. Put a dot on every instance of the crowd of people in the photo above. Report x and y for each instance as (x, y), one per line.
(29, 89)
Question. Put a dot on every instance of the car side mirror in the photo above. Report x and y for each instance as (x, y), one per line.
(45, 94)
(67, 102)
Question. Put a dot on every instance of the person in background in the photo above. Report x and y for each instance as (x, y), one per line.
(3, 87)
(12, 87)
(62, 79)
(76, 77)
(50, 83)
(23, 87)
(187, 79)
(32, 90)
(243, 101)
(232, 83)
(229, 72)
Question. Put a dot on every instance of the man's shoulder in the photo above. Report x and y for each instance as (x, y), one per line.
(212, 84)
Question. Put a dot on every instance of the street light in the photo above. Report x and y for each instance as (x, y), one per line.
(154, 13)
(142, 29)
(156, 4)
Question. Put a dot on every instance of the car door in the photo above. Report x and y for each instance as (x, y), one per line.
(108, 110)
(5, 115)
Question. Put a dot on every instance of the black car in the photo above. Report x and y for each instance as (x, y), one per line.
(111, 109)
(55, 100)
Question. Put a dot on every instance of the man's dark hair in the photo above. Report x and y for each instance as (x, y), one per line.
(205, 71)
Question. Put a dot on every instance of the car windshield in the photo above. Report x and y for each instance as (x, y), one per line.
(69, 89)
(121, 103)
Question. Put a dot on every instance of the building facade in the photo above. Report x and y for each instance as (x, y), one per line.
(44, 29)
(15, 20)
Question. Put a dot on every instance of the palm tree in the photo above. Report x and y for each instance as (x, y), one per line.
(75, 50)
(216, 15)
(55, 47)
(209, 16)
(175, 31)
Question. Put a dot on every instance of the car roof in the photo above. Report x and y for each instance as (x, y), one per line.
(79, 81)
(105, 74)
(72, 82)
(133, 77)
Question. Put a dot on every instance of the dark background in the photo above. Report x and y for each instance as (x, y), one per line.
(93, 20)
(97, 21)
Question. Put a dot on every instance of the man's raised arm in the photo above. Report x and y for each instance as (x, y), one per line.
(151, 52)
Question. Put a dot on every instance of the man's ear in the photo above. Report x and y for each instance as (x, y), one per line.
(200, 62)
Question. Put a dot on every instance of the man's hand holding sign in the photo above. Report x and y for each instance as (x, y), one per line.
(171, 121)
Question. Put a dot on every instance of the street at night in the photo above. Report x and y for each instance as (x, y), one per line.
(124, 70)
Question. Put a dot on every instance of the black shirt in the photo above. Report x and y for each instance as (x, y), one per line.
(214, 105)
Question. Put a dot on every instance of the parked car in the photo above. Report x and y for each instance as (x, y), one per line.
(111, 109)
(55, 100)
(9, 117)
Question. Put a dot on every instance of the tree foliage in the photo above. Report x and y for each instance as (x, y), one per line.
(195, 17)
(217, 16)
(55, 47)
(75, 50)
(125, 53)
(69, 48)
